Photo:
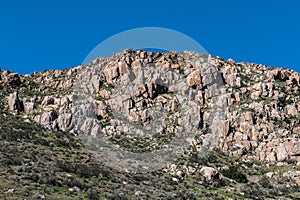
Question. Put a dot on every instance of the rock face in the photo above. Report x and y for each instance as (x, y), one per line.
(14, 102)
(242, 109)
(9, 78)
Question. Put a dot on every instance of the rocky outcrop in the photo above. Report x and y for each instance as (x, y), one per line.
(47, 119)
(29, 104)
(243, 109)
(209, 173)
(10, 78)
(14, 103)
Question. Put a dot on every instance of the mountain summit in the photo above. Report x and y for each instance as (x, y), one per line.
(143, 125)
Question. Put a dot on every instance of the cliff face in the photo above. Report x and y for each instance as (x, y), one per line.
(154, 104)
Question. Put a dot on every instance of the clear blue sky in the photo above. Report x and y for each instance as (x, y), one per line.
(36, 35)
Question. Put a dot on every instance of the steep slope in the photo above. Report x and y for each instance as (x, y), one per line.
(75, 133)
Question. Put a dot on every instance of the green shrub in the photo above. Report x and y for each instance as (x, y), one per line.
(234, 173)
(265, 183)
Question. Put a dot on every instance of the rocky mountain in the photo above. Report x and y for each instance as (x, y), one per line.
(144, 125)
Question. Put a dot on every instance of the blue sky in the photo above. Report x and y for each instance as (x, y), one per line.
(37, 35)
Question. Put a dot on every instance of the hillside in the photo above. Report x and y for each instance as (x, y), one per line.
(143, 125)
